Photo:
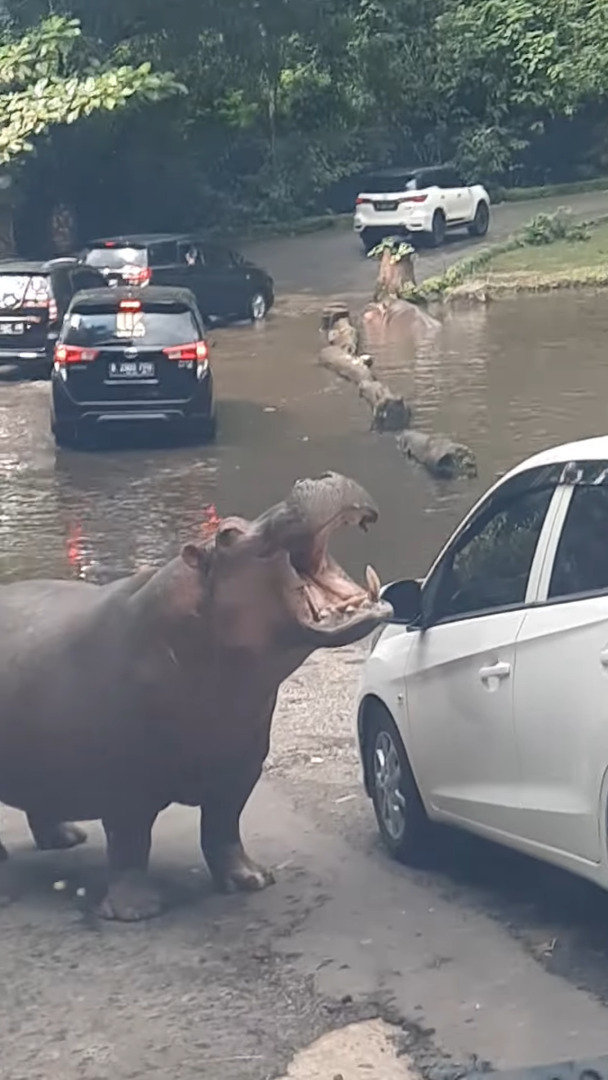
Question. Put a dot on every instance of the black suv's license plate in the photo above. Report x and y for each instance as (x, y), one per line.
(11, 329)
(131, 369)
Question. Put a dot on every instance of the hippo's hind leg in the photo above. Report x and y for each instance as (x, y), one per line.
(231, 868)
(131, 897)
(55, 836)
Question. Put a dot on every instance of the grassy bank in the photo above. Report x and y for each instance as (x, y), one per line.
(578, 187)
(550, 252)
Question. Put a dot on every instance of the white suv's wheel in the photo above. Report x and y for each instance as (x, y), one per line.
(438, 229)
(481, 222)
(404, 826)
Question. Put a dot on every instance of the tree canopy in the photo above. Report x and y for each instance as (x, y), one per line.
(288, 101)
(45, 80)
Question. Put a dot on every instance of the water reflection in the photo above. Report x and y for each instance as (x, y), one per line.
(508, 379)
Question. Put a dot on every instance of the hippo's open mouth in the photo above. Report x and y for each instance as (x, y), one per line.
(328, 599)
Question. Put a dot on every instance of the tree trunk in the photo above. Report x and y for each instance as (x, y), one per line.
(7, 231)
(389, 411)
(438, 453)
(393, 276)
(63, 230)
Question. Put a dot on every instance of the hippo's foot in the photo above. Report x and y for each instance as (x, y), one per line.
(233, 871)
(131, 898)
(53, 837)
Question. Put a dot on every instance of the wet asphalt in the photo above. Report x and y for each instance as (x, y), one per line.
(484, 957)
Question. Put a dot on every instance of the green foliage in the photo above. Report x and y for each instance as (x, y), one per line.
(399, 249)
(42, 84)
(288, 99)
(549, 228)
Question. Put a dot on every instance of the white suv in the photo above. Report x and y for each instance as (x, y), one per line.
(423, 202)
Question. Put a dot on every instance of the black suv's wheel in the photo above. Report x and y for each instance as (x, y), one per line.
(202, 430)
(65, 434)
(438, 229)
(481, 222)
(400, 813)
(258, 307)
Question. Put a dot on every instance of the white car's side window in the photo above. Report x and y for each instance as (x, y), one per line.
(581, 560)
(488, 566)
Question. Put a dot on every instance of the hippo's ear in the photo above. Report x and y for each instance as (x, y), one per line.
(195, 557)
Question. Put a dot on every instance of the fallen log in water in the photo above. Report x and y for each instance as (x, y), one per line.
(343, 354)
(438, 453)
(389, 411)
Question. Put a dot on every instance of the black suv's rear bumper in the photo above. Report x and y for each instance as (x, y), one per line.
(197, 411)
(33, 360)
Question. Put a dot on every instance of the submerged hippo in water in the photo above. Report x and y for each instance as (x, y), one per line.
(117, 700)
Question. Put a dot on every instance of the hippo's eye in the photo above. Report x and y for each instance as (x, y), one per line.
(228, 536)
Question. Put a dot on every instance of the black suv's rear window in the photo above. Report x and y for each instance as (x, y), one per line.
(152, 328)
(385, 184)
(24, 290)
(116, 258)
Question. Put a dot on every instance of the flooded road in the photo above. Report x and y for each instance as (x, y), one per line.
(508, 380)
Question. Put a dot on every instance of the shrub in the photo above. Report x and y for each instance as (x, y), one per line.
(548, 228)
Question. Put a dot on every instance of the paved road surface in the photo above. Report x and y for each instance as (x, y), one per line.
(484, 958)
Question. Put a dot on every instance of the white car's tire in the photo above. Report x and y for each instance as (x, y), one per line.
(438, 229)
(402, 820)
(481, 222)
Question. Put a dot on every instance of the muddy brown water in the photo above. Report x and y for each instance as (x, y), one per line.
(508, 379)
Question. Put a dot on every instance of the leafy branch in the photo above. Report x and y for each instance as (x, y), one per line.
(39, 93)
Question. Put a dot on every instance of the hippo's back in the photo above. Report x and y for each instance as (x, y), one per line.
(68, 652)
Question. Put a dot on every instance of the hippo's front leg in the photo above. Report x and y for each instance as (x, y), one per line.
(131, 896)
(231, 868)
(55, 836)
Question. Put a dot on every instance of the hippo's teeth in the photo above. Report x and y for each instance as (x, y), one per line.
(373, 583)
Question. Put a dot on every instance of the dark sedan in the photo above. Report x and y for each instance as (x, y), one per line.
(226, 286)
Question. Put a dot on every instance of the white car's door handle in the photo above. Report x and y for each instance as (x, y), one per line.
(604, 657)
(501, 670)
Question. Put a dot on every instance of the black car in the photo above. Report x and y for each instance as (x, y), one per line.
(225, 285)
(130, 356)
(34, 297)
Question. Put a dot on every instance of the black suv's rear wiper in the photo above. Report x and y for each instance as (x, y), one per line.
(128, 342)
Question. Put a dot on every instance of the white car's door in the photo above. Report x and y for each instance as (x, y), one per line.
(459, 671)
(458, 198)
(561, 680)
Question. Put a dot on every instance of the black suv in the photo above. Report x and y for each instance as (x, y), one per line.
(225, 285)
(34, 297)
(130, 357)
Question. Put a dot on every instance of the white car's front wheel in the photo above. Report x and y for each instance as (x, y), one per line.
(400, 813)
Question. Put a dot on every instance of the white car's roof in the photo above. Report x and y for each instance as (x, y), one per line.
(585, 450)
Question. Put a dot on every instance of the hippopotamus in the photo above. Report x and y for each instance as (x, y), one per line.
(117, 700)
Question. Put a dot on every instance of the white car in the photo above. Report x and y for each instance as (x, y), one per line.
(485, 705)
(423, 203)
